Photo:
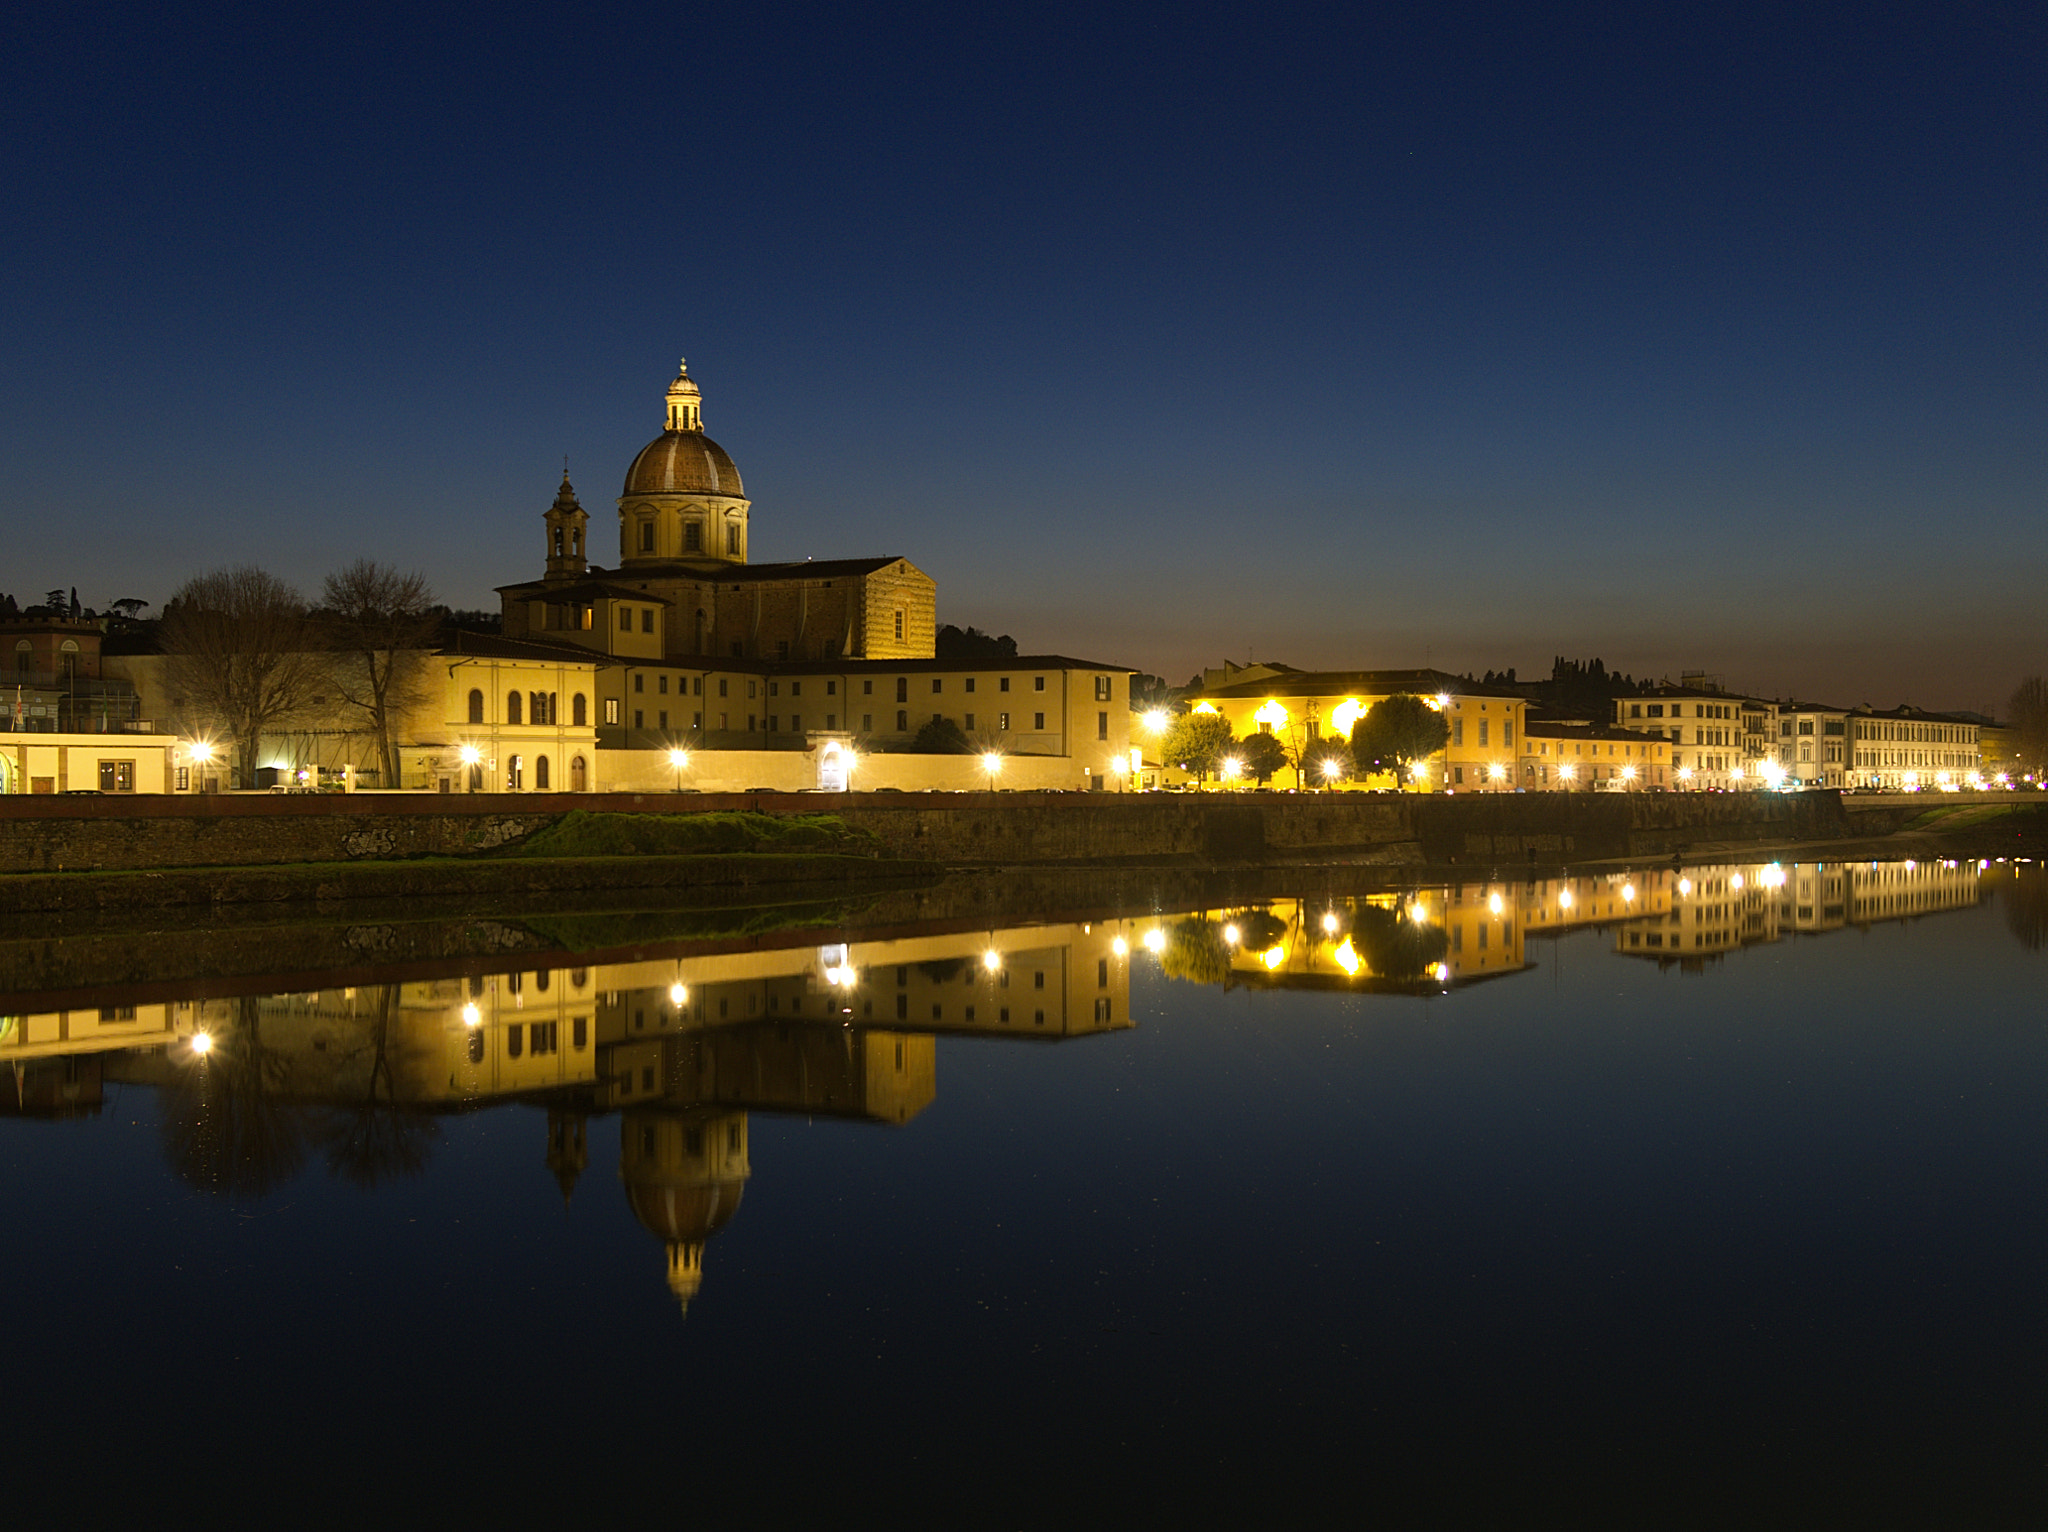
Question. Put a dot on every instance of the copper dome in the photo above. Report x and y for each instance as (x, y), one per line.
(683, 463)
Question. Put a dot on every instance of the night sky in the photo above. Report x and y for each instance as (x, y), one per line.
(1692, 337)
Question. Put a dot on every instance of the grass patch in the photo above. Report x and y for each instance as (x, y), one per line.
(586, 834)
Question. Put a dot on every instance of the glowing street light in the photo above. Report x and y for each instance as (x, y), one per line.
(1155, 721)
(1155, 940)
(1120, 947)
(1330, 922)
(202, 1043)
(677, 994)
(1231, 767)
(991, 762)
(1331, 771)
(1231, 936)
(992, 960)
(678, 759)
(472, 758)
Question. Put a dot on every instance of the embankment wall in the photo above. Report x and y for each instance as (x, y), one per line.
(44, 834)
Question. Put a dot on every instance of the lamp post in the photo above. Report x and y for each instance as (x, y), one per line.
(991, 762)
(201, 752)
(678, 759)
(471, 759)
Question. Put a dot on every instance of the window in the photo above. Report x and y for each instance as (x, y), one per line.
(831, 688)
(540, 773)
(1102, 691)
(1038, 721)
(647, 619)
(625, 619)
(579, 711)
(639, 681)
(693, 538)
(661, 685)
(646, 537)
(661, 719)
(117, 776)
(899, 625)
(937, 686)
(903, 688)
(1102, 726)
(796, 688)
(967, 721)
(1038, 683)
(639, 719)
(611, 710)
(750, 690)
(1458, 732)
(1507, 734)
(1635, 710)
(1656, 710)
(867, 723)
(1482, 734)
(515, 774)
(512, 707)
(1002, 723)
(184, 779)
(969, 683)
(721, 686)
(867, 688)
(732, 541)
(1002, 683)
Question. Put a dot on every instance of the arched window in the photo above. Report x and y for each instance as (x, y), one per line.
(515, 774)
(476, 1045)
(476, 706)
(646, 537)
(540, 773)
(579, 711)
(576, 774)
(511, 707)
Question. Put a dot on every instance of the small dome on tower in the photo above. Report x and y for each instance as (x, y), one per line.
(684, 385)
(683, 460)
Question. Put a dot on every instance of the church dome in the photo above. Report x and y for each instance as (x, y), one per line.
(683, 463)
(687, 1210)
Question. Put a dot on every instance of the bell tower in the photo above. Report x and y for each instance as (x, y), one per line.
(567, 522)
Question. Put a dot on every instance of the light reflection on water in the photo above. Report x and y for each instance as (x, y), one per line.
(1351, 1048)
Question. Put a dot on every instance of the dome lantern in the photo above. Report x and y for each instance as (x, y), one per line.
(685, 401)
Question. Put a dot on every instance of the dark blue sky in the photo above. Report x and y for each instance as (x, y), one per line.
(1689, 336)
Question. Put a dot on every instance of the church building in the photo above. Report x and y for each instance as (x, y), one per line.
(683, 589)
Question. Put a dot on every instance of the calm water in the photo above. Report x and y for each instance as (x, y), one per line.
(1677, 1198)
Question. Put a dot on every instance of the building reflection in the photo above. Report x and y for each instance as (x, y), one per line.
(683, 1046)
(1433, 939)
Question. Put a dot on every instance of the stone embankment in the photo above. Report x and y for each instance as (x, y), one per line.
(958, 829)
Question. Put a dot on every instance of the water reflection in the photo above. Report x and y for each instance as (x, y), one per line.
(683, 1045)
(682, 1048)
(1433, 939)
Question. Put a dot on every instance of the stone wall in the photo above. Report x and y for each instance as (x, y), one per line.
(49, 834)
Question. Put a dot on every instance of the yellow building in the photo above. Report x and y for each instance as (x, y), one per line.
(1300, 707)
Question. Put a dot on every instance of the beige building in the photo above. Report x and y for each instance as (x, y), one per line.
(1573, 757)
(1907, 749)
(1717, 739)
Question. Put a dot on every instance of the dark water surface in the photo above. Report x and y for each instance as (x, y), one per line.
(1461, 1206)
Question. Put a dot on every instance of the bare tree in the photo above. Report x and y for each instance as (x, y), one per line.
(2027, 711)
(380, 623)
(240, 655)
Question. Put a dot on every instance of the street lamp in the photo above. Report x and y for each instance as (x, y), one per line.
(679, 759)
(1331, 771)
(1231, 767)
(201, 752)
(1117, 767)
(471, 759)
(991, 762)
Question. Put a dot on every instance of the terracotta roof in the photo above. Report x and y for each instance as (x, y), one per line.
(683, 463)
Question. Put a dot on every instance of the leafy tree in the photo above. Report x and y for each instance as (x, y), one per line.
(1314, 756)
(1398, 731)
(1196, 742)
(380, 623)
(1150, 692)
(941, 736)
(952, 643)
(1262, 755)
(2027, 710)
(240, 656)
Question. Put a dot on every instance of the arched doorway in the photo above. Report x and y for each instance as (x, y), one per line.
(540, 773)
(576, 775)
